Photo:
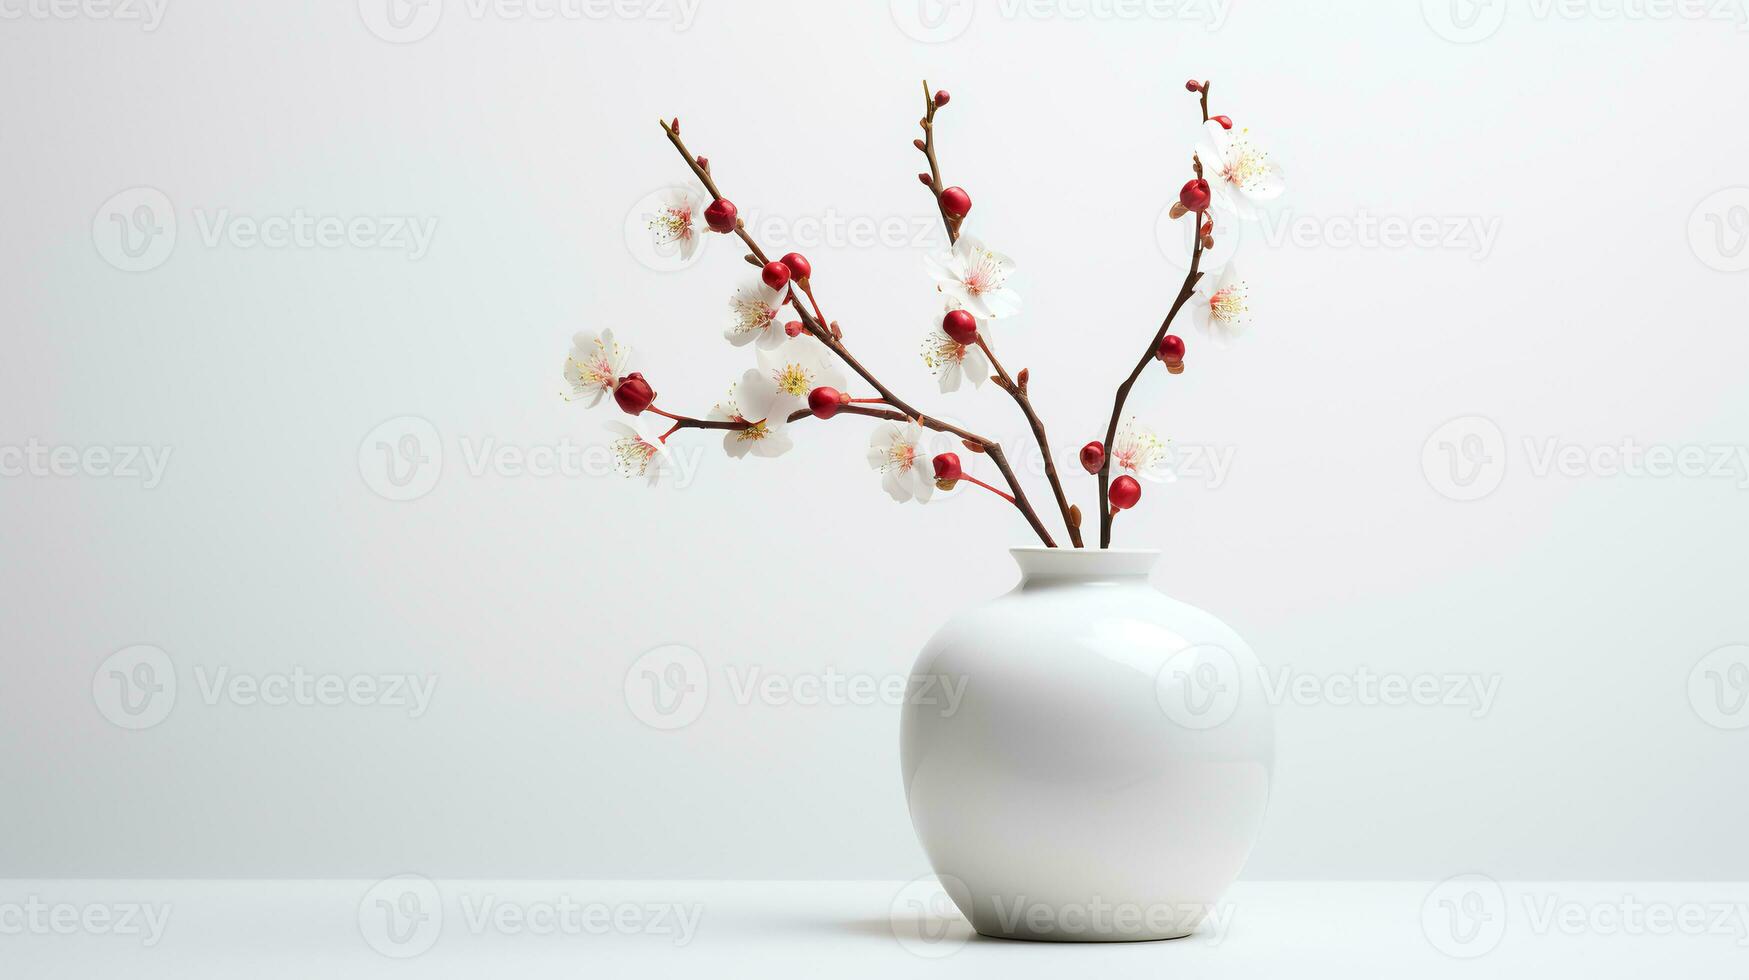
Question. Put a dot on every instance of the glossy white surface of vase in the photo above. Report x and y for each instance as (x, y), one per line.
(1105, 772)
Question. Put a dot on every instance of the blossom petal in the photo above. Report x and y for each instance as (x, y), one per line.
(776, 443)
(976, 366)
(735, 445)
(950, 376)
(922, 484)
(895, 485)
(1001, 302)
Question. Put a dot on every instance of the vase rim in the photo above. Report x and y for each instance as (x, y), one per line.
(1038, 563)
(1043, 549)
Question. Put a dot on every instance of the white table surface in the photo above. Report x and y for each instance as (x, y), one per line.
(257, 929)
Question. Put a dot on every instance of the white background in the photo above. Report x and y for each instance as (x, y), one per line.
(1603, 307)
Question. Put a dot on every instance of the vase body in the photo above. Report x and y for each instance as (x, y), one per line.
(1104, 772)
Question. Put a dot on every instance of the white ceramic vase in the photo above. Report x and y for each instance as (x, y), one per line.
(1104, 773)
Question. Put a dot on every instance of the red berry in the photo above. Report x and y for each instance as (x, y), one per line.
(956, 201)
(947, 466)
(1193, 86)
(825, 402)
(941, 97)
(1093, 456)
(1194, 195)
(633, 394)
(1224, 121)
(720, 215)
(1171, 349)
(798, 266)
(794, 328)
(1125, 491)
(961, 326)
(775, 274)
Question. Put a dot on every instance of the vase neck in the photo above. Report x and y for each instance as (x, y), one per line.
(1070, 566)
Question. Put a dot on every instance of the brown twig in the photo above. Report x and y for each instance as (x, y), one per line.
(688, 422)
(825, 335)
(948, 221)
(1019, 393)
(1123, 390)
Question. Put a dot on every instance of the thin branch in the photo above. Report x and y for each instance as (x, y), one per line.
(928, 422)
(1019, 393)
(1123, 390)
(948, 221)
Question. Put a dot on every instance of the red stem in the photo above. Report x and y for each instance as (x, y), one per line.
(986, 486)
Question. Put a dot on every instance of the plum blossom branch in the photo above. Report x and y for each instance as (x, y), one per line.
(1017, 390)
(1191, 278)
(1123, 391)
(826, 335)
(954, 204)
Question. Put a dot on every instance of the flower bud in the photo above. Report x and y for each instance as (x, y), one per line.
(941, 97)
(775, 275)
(1171, 349)
(919, 144)
(794, 328)
(1193, 86)
(633, 394)
(926, 180)
(720, 215)
(961, 326)
(825, 402)
(1093, 456)
(1194, 194)
(798, 266)
(956, 201)
(947, 467)
(1224, 121)
(1125, 492)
